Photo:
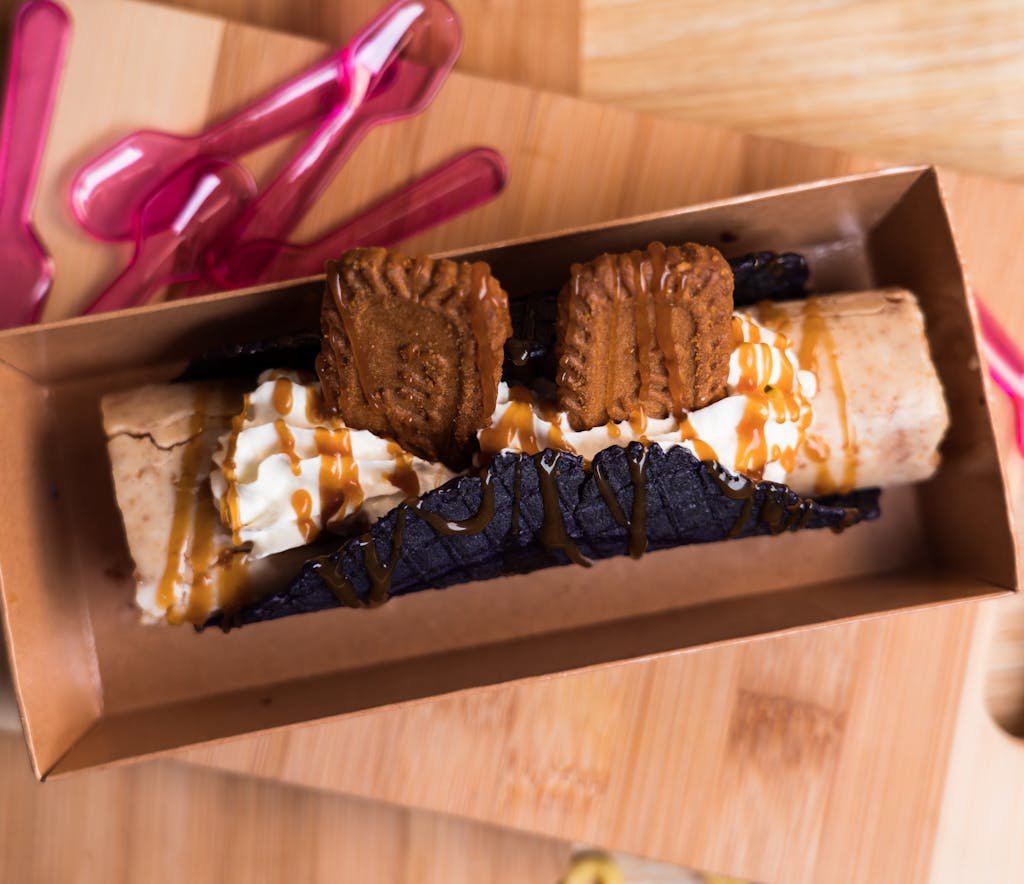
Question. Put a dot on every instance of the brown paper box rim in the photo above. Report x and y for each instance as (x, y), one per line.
(174, 305)
(96, 734)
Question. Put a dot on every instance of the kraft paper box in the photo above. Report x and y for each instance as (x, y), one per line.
(95, 686)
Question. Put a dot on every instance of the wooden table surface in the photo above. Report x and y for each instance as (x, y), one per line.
(904, 80)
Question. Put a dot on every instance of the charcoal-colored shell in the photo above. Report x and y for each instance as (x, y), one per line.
(684, 502)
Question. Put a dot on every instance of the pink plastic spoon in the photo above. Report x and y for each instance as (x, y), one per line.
(470, 179)
(38, 48)
(170, 253)
(393, 68)
(109, 191)
(1005, 364)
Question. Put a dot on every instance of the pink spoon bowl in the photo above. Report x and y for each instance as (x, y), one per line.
(468, 180)
(169, 253)
(38, 49)
(108, 192)
(394, 68)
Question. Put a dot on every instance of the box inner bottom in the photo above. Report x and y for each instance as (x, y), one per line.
(143, 666)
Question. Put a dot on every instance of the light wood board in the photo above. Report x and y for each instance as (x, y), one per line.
(815, 757)
(932, 80)
(165, 822)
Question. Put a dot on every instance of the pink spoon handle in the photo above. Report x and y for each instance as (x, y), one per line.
(472, 178)
(287, 108)
(141, 278)
(37, 54)
(371, 59)
(1005, 364)
(172, 253)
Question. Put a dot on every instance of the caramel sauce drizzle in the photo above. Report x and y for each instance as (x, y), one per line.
(403, 477)
(483, 306)
(373, 397)
(744, 492)
(339, 473)
(663, 325)
(287, 440)
(610, 500)
(751, 442)
(315, 410)
(776, 517)
(191, 542)
(379, 573)
(282, 396)
(229, 513)
(818, 342)
(199, 555)
(636, 523)
(231, 584)
(548, 411)
(552, 534)
(757, 362)
(516, 424)
(339, 485)
(474, 524)
(302, 504)
(610, 367)
(701, 449)
(638, 424)
(773, 316)
(185, 500)
(644, 338)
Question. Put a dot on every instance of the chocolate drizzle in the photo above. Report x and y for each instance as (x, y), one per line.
(474, 524)
(380, 573)
(773, 514)
(552, 534)
(527, 512)
(328, 568)
(636, 522)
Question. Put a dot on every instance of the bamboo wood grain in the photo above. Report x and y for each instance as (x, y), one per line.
(916, 81)
(814, 757)
(165, 822)
(937, 81)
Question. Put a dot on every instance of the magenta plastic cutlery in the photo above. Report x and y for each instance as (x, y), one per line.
(38, 48)
(171, 253)
(1005, 364)
(393, 69)
(108, 192)
(468, 180)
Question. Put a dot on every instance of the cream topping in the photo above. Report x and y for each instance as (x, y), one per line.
(287, 471)
(757, 429)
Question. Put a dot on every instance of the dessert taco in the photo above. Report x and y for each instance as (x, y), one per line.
(445, 433)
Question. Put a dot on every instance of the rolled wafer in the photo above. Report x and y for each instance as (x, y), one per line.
(879, 412)
(161, 439)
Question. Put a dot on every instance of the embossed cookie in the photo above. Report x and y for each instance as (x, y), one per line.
(644, 332)
(412, 349)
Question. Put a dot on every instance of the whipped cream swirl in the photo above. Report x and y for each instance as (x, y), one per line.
(757, 429)
(288, 471)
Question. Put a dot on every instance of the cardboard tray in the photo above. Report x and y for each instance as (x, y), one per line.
(94, 686)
